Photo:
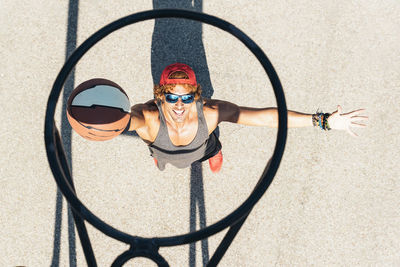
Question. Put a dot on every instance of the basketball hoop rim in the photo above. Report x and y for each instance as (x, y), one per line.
(51, 131)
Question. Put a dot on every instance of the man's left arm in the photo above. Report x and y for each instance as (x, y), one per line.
(231, 112)
(269, 117)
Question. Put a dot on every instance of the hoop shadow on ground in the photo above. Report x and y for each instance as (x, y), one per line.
(66, 133)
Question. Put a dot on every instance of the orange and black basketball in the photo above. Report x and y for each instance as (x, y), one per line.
(98, 109)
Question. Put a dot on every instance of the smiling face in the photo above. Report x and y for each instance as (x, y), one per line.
(179, 111)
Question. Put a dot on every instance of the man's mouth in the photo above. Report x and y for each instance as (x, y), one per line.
(179, 112)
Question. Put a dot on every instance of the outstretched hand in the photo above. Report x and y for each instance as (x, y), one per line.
(343, 121)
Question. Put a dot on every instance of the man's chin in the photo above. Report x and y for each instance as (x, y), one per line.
(179, 119)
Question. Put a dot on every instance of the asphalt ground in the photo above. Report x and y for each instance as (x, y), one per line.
(335, 198)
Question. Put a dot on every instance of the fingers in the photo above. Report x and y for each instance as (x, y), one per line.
(358, 120)
(358, 125)
(356, 112)
(361, 118)
(339, 108)
(352, 119)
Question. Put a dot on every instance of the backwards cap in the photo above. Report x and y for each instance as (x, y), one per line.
(174, 68)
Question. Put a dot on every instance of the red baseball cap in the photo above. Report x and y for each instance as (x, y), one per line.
(178, 67)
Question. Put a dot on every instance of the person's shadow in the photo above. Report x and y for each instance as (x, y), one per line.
(180, 40)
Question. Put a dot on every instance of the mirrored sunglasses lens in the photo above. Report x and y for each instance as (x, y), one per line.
(187, 99)
(171, 98)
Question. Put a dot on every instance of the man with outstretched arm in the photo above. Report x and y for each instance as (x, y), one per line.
(178, 125)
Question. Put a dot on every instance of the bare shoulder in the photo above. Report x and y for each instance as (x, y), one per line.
(210, 107)
(147, 106)
(220, 110)
(216, 111)
(147, 109)
(212, 103)
(143, 114)
(216, 105)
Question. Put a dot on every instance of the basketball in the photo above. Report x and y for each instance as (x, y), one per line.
(98, 109)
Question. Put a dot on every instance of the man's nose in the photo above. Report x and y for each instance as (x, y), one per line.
(179, 103)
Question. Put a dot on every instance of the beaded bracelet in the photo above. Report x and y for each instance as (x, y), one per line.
(321, 120)
(325, 122)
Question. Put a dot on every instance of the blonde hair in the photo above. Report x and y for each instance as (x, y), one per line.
(160, 90)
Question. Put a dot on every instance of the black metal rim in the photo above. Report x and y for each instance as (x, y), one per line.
(51, 130)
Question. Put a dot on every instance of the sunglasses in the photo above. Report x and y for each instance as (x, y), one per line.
(186, 99)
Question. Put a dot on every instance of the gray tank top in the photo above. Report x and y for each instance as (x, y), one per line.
(165, 152)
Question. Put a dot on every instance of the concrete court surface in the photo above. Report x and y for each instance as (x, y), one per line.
(335, 199)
